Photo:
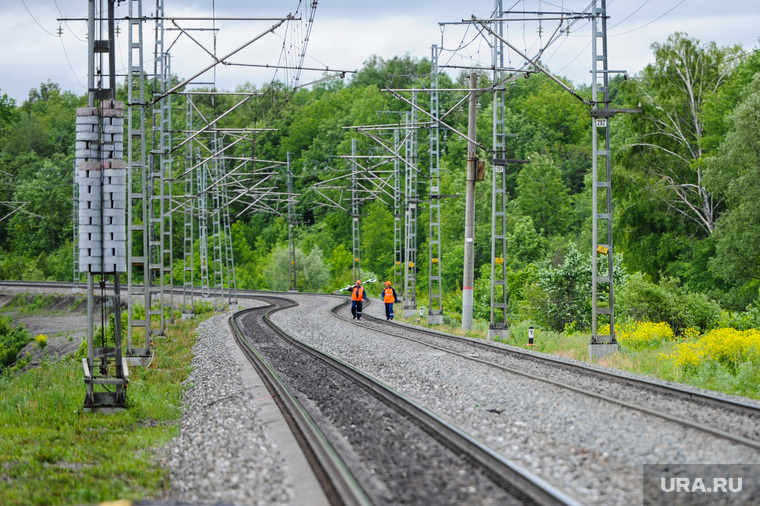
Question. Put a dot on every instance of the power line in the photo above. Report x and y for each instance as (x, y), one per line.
(35, 19)
(71, 67)
(64, 22)
(647, 24)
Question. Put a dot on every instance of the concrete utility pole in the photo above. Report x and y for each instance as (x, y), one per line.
(469, 217)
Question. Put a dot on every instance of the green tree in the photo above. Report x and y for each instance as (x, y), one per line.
(45, 222)
(277, 272)
(568, 291)
(524, 244)
(735, 176)
(314, 270)
(666, 142)
(543, 197)
(377, 237)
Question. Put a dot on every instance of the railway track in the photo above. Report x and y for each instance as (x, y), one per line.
(589, 447)
(372, 443)
(691, 408)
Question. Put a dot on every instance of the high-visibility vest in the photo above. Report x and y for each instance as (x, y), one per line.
(357, 293)
(388, 295)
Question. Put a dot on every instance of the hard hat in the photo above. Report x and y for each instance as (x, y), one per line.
(388, 283)
(358, 282)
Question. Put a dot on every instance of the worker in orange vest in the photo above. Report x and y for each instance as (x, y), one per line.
(389, 297)
(357, 299)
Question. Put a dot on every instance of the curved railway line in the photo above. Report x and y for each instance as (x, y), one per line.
(369, 444)
(693, 409)
(376, 445)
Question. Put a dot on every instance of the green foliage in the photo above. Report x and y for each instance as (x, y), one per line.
(524, 244)
(567, 290)
(13, 338)
(377, 237)
(684, 195)
(542, 195)
(638, 299)
(26, 303)
(311, 271)
(664, 204)
(398, 72)
(315, 271)
(55, 453)
(742, 380)
(734, 175)
(740, 320)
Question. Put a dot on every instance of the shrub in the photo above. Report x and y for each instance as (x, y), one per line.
(741, 320)
(41, 341)
(12, 341)
(641, 300)
(727, 346)
(643, 335)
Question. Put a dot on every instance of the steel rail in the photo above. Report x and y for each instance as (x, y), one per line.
(499, 467)
(713, 401)
(736, 406)
(336, 480)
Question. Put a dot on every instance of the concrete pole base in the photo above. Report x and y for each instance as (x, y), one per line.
(435, 319)
(601, 350)
(498, 333)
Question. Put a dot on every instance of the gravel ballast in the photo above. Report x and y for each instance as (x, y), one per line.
(592, 450)
(223, 454)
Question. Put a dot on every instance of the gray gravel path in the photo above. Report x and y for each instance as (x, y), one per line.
(224, 453)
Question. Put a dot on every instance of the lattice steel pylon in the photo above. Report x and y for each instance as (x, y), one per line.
(355, 239)
(410, 216)
(229, 259)
(202, 182)
(188, 214)
(167, 180)
(499, 324)
(216, 217)
(601, 345)
(435, 290)
(398, 214)
(156, 176)
(291, 231)
(137, 205)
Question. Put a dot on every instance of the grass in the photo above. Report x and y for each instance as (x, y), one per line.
(52, 452)
(744, 381)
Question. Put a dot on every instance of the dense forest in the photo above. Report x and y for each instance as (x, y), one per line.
(686, 172)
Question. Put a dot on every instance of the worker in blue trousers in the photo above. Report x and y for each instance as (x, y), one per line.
(389, 297)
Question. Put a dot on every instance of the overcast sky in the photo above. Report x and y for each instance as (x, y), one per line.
(345, 33)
